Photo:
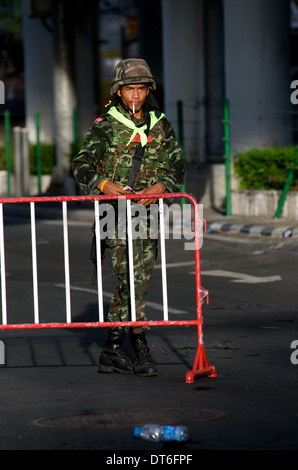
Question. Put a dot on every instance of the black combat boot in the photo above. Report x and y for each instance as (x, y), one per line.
(143, 364)
(112, 358)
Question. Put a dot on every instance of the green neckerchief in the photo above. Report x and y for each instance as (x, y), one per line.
(113, 111)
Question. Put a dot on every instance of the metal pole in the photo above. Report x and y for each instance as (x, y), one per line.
(226, 122)
(34, 263)
(163, 261)
(3, 272)
(287, 187)
(66, 262)
(98, 262)
(181, 139)
(131, 261)
(38, 150)
(7, 149)
(17, 138)
(75, 146)
(25, 162)
(75, 130)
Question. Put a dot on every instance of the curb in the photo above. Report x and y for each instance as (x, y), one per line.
(261, 230)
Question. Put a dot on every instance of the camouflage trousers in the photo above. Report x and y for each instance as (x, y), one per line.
(144, 256)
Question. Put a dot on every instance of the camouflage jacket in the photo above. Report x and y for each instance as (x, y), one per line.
(110, 145)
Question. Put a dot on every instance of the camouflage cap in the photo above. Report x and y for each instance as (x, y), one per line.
(131, 71)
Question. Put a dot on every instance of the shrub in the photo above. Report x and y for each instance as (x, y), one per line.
(47, 152)
(266, 169)
(47, 158)
(2, 158)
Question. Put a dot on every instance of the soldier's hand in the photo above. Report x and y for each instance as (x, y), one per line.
(113, 189)
(157, 188)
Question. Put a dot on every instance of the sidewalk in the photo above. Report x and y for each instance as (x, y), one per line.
(217, 221)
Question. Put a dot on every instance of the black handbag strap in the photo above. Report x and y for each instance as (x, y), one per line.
(137, 159)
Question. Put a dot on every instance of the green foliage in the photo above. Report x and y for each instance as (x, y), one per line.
(266, 169)
(47, 152)
(11, 16)
(2, 158)
(47, 158)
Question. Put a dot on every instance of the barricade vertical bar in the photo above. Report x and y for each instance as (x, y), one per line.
(34, 262)
(130, 261)
(163, 260)
(198, 271)
(98, 262)
(66, 262)
(3, 274)
(200, 366)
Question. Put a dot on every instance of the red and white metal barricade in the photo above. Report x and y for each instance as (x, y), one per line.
(200, 366)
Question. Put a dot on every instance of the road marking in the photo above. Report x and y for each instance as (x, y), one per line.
(239, 277)
(154, 305)
(229, 238)
(177, 265)
(76, 223)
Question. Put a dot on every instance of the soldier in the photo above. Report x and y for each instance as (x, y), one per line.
(104, 166)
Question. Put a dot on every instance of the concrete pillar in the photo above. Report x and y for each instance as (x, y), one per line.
(59, 74)
(64, 87)
(215, 85)
(21, 162)
(257, 68)
(183, 57)
(86, 57)
(38, 64)
(150, 41)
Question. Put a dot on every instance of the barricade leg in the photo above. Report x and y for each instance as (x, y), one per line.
(200, 366)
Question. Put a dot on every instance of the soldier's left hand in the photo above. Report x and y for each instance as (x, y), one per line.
(157, 188)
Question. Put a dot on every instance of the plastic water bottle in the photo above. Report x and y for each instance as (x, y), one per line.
(155, 433)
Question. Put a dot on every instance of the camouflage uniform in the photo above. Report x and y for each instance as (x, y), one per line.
(107, 154)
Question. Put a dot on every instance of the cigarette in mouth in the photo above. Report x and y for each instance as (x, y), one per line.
(133, 108)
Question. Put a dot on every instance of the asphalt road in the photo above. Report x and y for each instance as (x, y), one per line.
(52, 398)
